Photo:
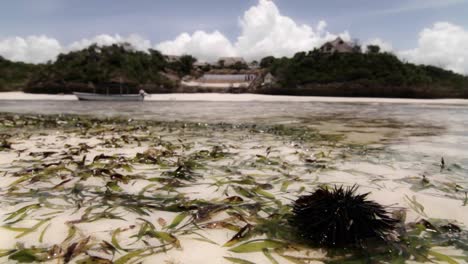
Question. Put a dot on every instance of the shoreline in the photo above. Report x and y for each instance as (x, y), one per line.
(226, 97)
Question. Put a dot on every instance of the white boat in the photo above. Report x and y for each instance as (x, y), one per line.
(111, 96)
(108, 97)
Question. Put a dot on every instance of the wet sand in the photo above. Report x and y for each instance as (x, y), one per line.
(390, 158)
(220, 97)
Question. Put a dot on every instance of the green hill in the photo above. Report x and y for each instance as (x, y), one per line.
(98, 68)
(15, 75)
(361, 74)
(371, 74)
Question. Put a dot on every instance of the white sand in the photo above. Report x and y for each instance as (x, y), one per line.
(383, 177)
(241, 97)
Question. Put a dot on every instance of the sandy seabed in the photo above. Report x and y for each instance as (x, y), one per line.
(117, 189)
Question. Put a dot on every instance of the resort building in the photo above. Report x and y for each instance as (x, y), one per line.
(269, 79)
(228, 78)
(223, 81)
(338, 45)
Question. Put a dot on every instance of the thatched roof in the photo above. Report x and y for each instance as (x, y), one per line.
(337, 45)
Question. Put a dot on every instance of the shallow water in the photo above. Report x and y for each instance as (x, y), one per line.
(433, 130)
(386, 149)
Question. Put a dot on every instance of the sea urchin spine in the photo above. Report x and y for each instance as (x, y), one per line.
(339, 217)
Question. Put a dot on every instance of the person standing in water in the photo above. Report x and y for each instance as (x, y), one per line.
(142, 93)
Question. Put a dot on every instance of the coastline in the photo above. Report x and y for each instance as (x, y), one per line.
(226, 97)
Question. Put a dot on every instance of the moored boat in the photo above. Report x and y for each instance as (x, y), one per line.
(108, 97)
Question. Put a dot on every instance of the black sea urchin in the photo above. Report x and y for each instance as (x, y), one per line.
(339, 217)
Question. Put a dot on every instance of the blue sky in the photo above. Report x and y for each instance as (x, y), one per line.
(396, 21)
(420, 31)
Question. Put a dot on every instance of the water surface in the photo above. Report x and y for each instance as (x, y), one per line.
(386, 148)
(429, 129)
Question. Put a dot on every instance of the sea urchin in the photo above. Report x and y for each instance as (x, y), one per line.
(339, 217)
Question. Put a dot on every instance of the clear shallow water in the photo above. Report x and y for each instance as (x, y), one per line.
(409, 141)
(414, 113)
(415, 128)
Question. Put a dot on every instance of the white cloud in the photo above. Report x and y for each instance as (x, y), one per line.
(33, 49)
(40, 49)
(138, 42)
(264, 31)
(384, 46)
(443, 45)
(203, 45)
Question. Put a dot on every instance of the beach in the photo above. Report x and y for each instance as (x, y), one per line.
(174, 179)
(234, 132)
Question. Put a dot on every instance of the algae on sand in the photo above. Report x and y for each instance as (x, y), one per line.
(88, 189)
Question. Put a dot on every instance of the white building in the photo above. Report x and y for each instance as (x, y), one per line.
(269, 79)
(228, 78)
(222, 81)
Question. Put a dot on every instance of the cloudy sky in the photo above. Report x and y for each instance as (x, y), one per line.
(420, 31)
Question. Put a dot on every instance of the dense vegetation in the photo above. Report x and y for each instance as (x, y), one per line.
(98, 68)
(307, 73)
(14, 75)
(361, 74)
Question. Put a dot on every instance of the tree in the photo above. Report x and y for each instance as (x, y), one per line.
(221, 63)
(186, 64)
(356, 43)
(239, 66)
(157, 59)
(102, 66)
(362, 69)
(267, 62)
(373, 49)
